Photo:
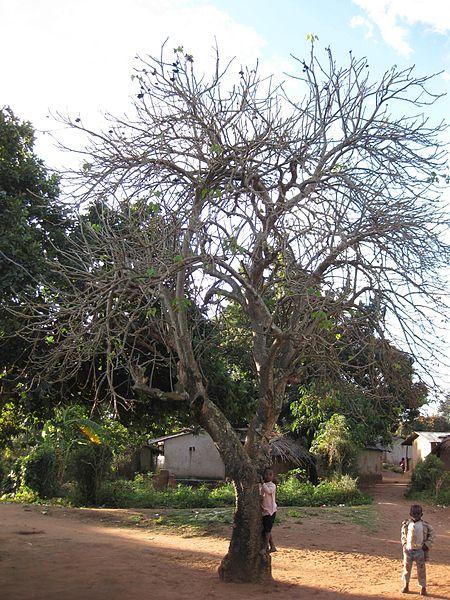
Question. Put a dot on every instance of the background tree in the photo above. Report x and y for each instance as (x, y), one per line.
(297, 210)
(336, 444)
(32, 229)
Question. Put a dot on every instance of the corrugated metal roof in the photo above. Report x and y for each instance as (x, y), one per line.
(430, 436)
(171, 436)
(433, 436)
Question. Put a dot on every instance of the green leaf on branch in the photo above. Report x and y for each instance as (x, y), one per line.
(311, 38)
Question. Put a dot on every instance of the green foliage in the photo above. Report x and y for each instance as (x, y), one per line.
(340, 490)
(438, 422)
(90, 464)
(335, 443)
(12, 477)
(32, 231)
(11, 423)
(300, 474)
(40, 472)
(30, 216)
(23, 494)
(140, 493)
(430, 481)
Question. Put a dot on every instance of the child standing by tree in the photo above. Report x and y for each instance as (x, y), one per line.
(269, 510)
(417, 537)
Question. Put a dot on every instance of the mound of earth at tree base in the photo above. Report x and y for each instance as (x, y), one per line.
(62, 554)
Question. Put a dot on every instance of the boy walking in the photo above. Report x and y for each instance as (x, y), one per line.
(417, 537)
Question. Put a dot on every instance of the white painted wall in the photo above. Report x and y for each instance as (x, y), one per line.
(421, 448)
(396, 452)
(370, 464)
(193, 456)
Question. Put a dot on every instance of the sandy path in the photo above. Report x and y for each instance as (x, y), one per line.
(64, 556)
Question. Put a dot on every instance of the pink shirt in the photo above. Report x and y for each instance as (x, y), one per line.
(268, 504)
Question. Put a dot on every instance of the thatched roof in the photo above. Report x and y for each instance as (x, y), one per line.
(289, 450)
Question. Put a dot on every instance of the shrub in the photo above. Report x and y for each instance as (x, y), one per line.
(336, 444)
(341, 490)
(427, 473)
(299, 474)
(40, 472)
(140, 493)
(223, 495)
(23, 494)
(90, 464)
(12, 478)
(430, 481)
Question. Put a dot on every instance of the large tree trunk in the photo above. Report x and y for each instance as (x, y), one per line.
(244, 562)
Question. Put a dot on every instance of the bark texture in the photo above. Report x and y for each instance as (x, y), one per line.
(244, 562)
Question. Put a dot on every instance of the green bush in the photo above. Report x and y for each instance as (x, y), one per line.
(341, 490)
(140, 493)
(299, 474)
(430, 481)
(223, 495)
(427, 473)
(40, 472)
(22, 494)
(12, 479)
(90, 465)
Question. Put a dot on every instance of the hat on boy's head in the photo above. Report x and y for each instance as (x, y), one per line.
(416, 511)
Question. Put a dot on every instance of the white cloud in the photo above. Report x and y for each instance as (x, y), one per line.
(359, 21)
(76, 56)
(394, 18)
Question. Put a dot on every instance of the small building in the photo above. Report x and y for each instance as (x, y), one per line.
(395, 451)
(422, 443)
(188, 455)
(370, 464)
(192, 455)
(442, 451)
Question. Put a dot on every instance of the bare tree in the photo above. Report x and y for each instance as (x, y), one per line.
(296, 210)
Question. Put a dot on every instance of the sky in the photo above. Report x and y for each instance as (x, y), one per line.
(76, 56)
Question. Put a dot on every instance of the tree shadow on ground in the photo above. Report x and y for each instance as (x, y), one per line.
(74, 560)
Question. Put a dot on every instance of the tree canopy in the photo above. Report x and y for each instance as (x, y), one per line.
(298, 210)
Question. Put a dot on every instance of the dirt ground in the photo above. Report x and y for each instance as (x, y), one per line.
(62, 554)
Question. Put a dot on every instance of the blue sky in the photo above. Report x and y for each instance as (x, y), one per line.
(346, 25)
(76, 56)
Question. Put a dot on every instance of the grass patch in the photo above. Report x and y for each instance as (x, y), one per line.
(364, 516)
(218, 521)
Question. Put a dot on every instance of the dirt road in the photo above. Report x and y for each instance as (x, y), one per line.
(59, 554)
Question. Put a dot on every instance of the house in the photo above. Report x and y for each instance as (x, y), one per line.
(442, 451)
(188, 454)
(370, 464)
(421, 444)
(395, 451)
(192, 455)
